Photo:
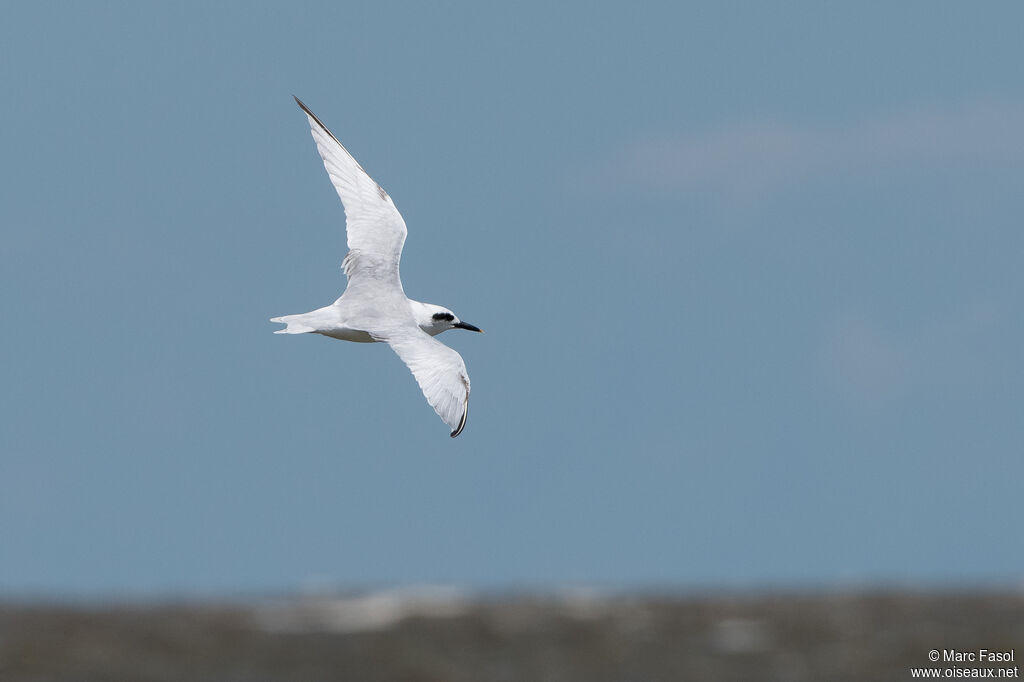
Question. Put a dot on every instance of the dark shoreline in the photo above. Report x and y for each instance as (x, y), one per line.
(432, 635)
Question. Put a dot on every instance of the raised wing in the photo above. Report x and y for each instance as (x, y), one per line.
(375, 228)
(438, 370)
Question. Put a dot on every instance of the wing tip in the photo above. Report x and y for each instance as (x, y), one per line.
(302, 105)
(462, 422)
(313, 117)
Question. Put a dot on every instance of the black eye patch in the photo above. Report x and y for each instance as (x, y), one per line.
(444, 316)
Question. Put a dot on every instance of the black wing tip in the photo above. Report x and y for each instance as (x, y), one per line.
(462, 422)
(302, 105)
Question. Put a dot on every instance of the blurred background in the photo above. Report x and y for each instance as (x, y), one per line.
(750, 275)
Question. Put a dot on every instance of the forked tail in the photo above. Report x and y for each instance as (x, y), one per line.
(295, 325)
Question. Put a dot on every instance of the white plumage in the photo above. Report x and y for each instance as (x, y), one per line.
(374, 306)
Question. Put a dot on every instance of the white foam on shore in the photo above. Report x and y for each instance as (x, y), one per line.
(364, 612)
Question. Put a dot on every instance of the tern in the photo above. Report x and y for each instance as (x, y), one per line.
(374, 307)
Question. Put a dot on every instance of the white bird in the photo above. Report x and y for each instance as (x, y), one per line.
(374, 306)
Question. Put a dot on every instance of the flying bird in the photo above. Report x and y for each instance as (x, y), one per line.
(374, 307)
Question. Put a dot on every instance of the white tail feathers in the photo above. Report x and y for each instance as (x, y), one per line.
(294, 325)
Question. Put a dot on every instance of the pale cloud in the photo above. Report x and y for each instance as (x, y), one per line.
(760, 156)
(870, 362)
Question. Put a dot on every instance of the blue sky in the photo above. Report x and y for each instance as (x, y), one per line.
(750, 275)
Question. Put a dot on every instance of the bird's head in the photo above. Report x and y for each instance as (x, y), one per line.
(434, 319)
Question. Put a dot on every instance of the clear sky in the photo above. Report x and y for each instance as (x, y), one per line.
(751, 276)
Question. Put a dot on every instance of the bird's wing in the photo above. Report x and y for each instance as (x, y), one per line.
(438, 369)
(376, 230)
